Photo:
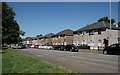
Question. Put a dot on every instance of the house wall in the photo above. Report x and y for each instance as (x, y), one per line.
(95, 38)
(68, 40)
(62, 40)
(34, 42)
(48, 41)
(76, 39)
(119, 36)
(54, 41)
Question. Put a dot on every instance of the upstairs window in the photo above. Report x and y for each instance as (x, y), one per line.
(84, 33)
(62, 35)
(91, 32)
(99, 31)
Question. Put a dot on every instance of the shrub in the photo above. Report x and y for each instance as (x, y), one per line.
(83, 47)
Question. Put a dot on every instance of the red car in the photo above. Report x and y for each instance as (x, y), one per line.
(36, 46)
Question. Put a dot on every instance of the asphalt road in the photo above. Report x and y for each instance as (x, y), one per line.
(79, 62)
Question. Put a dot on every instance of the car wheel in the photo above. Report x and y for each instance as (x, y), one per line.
(70, 50)
(77, 51)
(105, 52)
(58, 48)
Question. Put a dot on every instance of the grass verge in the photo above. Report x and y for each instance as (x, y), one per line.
(16, 62)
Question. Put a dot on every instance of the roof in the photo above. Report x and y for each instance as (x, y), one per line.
(66, 32)
(49, 35)
(97, 25)
(30, 38)
(33, 38)
(39, 36)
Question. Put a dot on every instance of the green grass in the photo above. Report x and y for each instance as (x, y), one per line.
(0, 61)
(16, 62)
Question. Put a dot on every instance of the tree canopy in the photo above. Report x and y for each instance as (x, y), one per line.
(106, 19)
(10, 29)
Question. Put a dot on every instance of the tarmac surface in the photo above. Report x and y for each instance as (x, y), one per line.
(84, 61)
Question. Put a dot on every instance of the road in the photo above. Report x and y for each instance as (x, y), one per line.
(79, 62)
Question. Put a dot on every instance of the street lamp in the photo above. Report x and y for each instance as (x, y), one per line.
(110, 40)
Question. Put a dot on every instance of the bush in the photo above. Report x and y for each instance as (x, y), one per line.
(83, 47)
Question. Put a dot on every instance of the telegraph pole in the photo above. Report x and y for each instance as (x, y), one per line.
(110, 39)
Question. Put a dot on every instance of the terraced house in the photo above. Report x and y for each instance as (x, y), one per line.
(63, 37)
(93, 35)
(48, 38)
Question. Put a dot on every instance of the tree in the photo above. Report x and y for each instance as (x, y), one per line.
(106, 19)
(0, 22)
(10, 29)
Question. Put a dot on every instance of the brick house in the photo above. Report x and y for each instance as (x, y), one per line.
(93, 34)
(63, 37)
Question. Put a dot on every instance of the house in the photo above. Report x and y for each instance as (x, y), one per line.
(119, 35)
(34, 41)
(27, 40)
(63, 37)
(48, 38)
(93, 35)
(40, 39)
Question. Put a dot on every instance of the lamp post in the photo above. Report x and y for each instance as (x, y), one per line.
(110, 40)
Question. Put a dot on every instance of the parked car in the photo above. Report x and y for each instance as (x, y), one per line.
(13, 46)
(112, 49)
(49, 47)
(59, 47)
(45, 47)
(36, 46)
(32, 46)
(71, 48)
(21, 46)
(42, 46)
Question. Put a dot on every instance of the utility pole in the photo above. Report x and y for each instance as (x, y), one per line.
(110, 39)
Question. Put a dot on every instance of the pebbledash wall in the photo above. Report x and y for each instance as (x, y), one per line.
(67, 39)
(95, 39)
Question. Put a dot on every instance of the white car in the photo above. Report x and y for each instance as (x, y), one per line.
(32, 46)
(41, 46)
(49, 47)
(45, 47)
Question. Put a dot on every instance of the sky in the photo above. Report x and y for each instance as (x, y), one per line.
(51, 17)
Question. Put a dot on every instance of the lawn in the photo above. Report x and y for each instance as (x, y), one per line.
(16, 62)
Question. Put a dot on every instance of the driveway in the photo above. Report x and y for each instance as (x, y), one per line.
(82, 61)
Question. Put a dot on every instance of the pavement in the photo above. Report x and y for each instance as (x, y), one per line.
(84, 61)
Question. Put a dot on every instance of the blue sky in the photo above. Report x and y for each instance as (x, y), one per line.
(51, 17)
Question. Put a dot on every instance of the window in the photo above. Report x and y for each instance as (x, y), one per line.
(84, 42)
(84, 33)
(58, 36)
(91, 32)
(91, 43)
(99, 31)
(62, 35)
(99, 42)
